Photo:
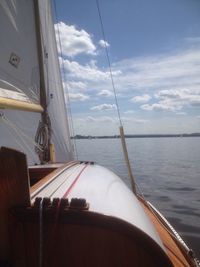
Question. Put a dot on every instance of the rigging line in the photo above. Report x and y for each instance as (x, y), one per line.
(67, 88)
(109, 63)
(123, 141)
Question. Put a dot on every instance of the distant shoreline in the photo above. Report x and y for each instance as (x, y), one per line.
(136, 136)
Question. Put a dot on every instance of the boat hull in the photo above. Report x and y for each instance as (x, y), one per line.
(80, 214)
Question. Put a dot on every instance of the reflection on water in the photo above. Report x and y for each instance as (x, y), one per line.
(166, 169)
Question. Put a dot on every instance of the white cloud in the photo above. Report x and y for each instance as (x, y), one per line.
(106, 93)
(140, 99)
(73, 86)
(88, 72)
(162, 106)
(133, 120)
(77, 97)
(181, 113)
(178, 98)
(160, 71)
(101, 119)
(129, 112)
(103, 43)
(89, 119)
(180, 70)
(74, 41)
(104, 107)
(140, 121)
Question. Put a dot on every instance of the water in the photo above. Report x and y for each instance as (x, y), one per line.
(166, 169)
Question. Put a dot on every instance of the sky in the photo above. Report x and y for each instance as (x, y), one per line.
(154, 53)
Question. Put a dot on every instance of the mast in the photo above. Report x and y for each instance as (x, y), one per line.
(44, 128)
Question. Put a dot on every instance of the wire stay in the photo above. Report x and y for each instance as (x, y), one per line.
(121, 129)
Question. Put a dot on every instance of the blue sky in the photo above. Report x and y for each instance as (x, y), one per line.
(154, 49)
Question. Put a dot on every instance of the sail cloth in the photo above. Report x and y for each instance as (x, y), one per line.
(19, 69)
(56, 102)
(19, 78)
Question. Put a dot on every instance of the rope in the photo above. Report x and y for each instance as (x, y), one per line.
(123, 141)
(109, 63)
(67, 88)
(42, 139)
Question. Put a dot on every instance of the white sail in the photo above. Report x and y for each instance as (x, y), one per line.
(19, 70)
(56, 101)
(20, 80)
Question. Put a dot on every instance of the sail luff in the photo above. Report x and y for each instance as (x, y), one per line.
(45, 157)
(56, 102)
(43, 99)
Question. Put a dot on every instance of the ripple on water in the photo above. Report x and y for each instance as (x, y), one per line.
(186, 189)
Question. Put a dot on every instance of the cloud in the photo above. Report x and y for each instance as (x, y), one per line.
(171, 80)
(106, 93)
(178, 98)
(139, 75)
(77, 97)
(133, 120)
(73, 86)
(162, 106)
(88, 72)
(103, 43)
(129, 112)
(140, 99)
(160, 71)
(104, 107)
(181, 113)
(90, 119)
(74, 41)
(102, 119)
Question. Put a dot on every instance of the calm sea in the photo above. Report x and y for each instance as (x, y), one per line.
(167, 170)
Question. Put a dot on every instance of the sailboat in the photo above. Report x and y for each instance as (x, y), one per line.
(54, 210)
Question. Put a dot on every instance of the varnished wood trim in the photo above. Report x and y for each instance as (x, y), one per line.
(7, 103)
(177, 253)
(14, 190)
(93, 226)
